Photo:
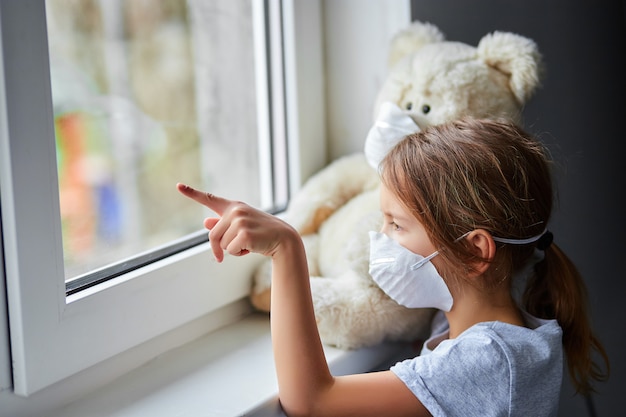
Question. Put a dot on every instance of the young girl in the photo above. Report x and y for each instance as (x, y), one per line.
(466, 204)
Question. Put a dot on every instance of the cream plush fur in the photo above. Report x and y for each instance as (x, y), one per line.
(434, 81)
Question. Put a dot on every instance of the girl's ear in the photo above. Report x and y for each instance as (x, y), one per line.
(484, 246)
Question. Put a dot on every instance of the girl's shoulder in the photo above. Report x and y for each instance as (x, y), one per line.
(537, 331)
(539, 340)
(500, 338)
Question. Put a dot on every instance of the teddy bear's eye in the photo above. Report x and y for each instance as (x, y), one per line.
(425, 109)
(408, 106)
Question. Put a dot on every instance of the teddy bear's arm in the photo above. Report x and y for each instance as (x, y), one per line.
(328, 190)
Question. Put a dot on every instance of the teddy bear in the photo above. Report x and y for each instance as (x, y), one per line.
(430, 81)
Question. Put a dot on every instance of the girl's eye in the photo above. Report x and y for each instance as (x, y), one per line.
(394, 226)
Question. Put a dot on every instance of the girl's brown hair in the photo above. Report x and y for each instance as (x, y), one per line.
(490, 174)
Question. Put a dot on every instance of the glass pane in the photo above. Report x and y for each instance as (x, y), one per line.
(147, 93)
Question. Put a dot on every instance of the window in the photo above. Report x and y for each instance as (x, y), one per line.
(54, 332)
(147, 93)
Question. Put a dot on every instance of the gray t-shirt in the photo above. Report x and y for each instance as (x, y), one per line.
(491, 369)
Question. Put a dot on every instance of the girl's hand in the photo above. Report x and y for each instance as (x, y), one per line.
(239, 229)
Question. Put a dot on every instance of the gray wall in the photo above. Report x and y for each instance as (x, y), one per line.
(580, 111)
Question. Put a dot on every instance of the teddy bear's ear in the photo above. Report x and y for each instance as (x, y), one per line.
(412, 39)
(516, 56)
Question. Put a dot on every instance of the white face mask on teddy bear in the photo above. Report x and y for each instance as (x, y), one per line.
(391, 125)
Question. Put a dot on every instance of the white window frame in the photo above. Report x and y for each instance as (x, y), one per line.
(53, 337)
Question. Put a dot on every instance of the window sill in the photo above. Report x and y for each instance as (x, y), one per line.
(229, 372)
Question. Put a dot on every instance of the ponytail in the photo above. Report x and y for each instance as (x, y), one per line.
(557, 291)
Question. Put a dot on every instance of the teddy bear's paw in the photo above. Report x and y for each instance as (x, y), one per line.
(261, 300)
(261, 279)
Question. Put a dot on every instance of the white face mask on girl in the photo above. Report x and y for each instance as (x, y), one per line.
(408, 278)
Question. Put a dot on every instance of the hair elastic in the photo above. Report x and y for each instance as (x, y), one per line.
(545, 240)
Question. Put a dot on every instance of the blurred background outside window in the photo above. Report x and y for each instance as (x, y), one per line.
(148, 93)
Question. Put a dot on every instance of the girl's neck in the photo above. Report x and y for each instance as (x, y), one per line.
(474, 307)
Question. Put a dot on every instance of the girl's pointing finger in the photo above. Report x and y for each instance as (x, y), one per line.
(215, 203)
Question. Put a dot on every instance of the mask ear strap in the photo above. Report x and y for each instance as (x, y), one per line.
(419, 263)
(522, 241)
(464, 235)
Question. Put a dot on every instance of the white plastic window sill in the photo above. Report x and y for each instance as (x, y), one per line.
(229, 372)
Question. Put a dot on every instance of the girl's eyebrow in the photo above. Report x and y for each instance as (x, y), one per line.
(388, 213)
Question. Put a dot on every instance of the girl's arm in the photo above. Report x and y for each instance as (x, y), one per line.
(306, 386)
